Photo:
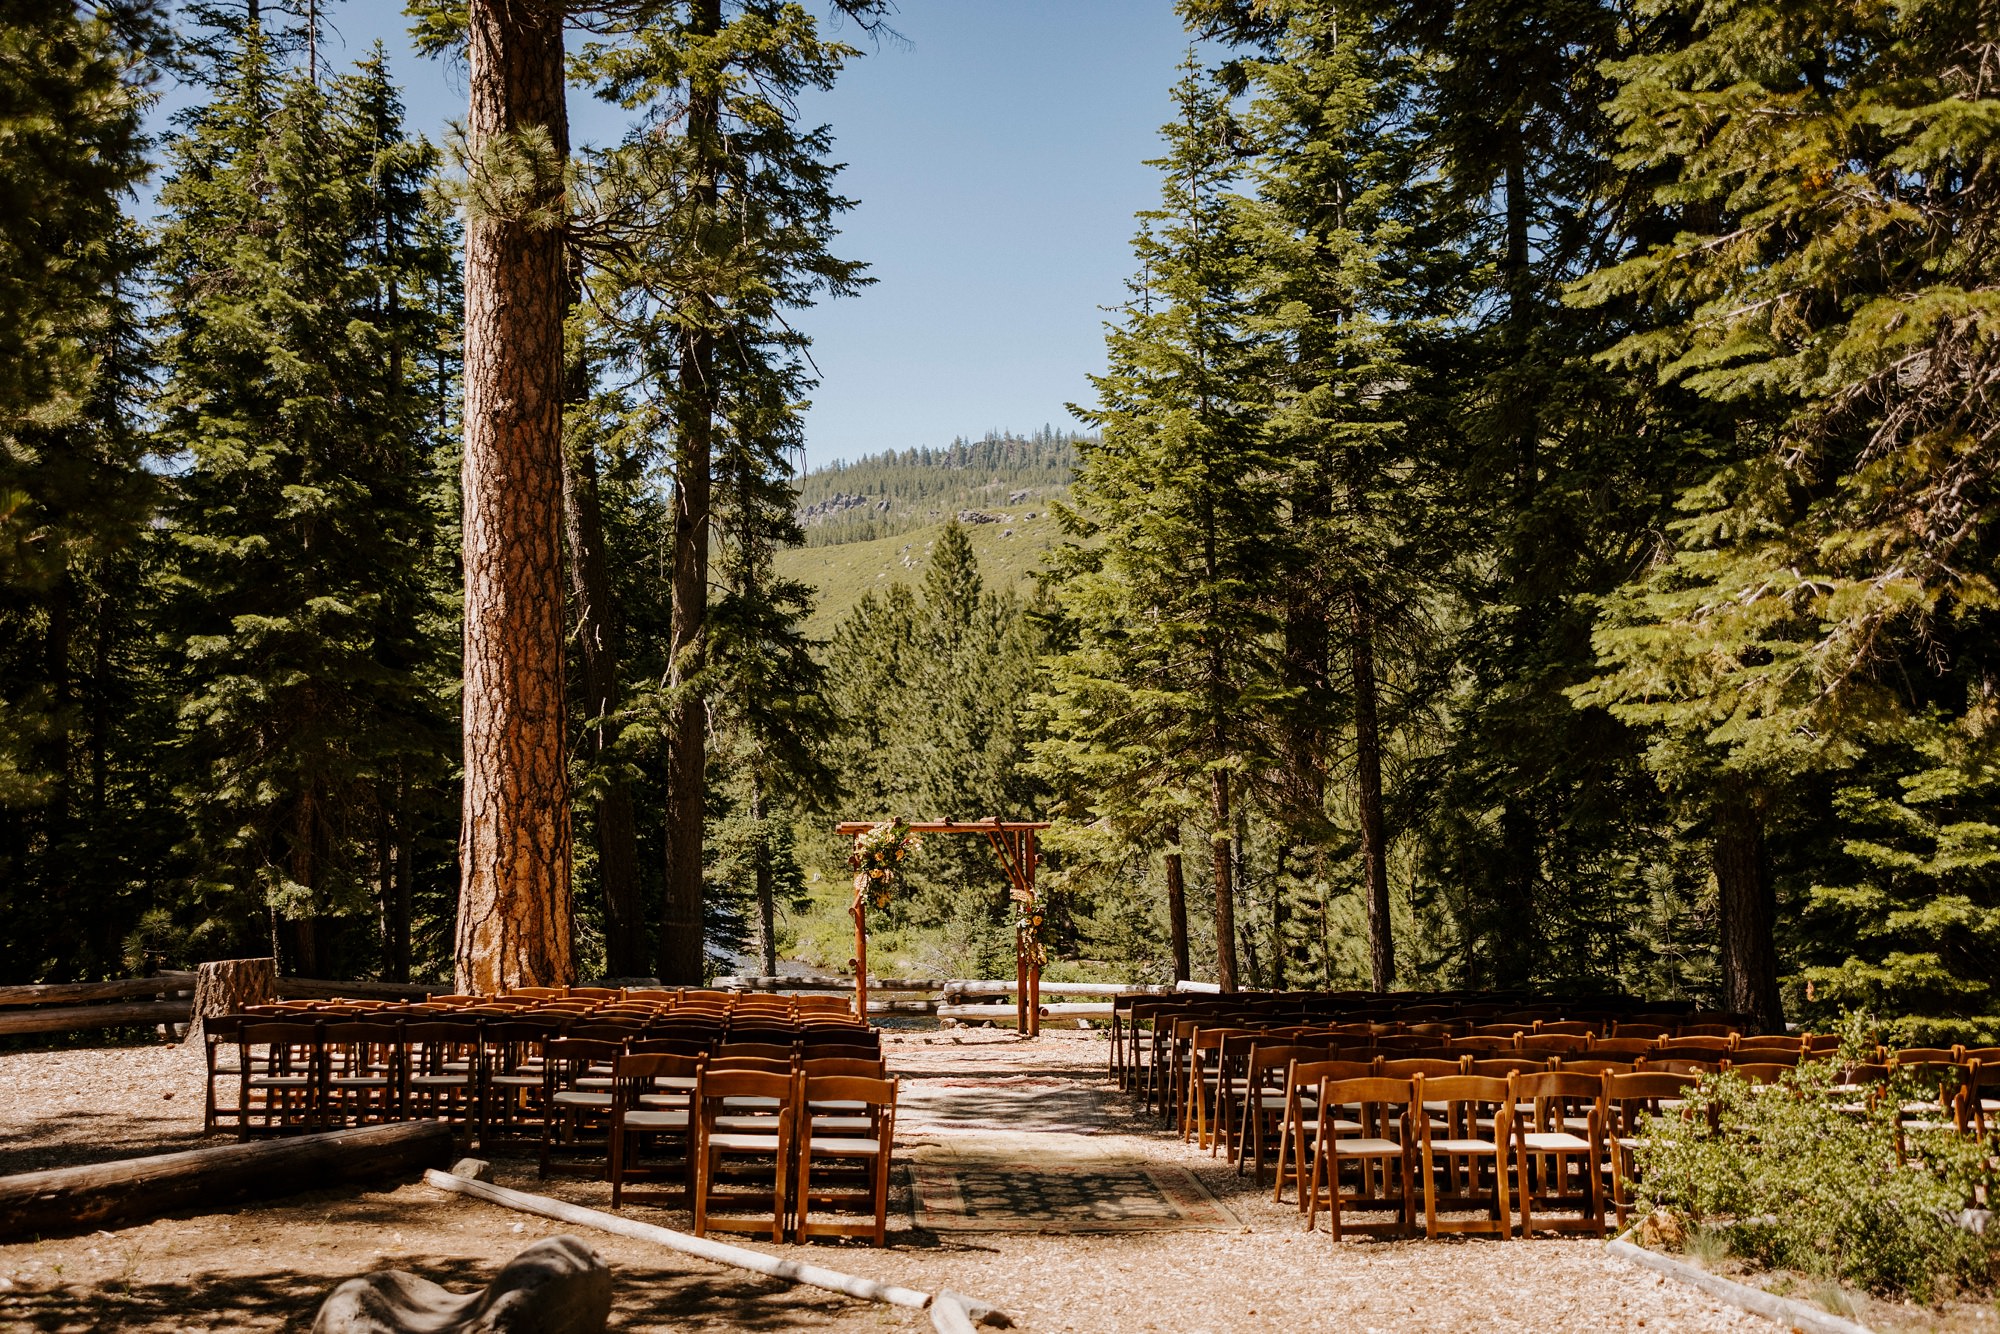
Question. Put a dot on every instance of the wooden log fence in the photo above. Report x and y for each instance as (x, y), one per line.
(70, 1007)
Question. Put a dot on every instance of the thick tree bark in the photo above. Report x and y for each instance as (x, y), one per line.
(1177, 926)
(1368, 796)
(1749, 954)
(514, 846)
(1225, 888)
(598, 653)
(681, 954)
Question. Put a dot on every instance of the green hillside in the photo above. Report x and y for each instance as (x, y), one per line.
(870, 523)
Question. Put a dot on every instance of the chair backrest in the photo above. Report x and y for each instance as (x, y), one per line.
(567, 1058)
(763, 1051)
(1927, 1056)
(869, 1091)
(1311, 1073)
(1573, 1027)
(1988, 1057)
(535, 993)
(1641, 1030)
(1695, 1049)
(747, 1035)
(1682, 1065)
(1558, 1084)
(758, 1063)
(1481, 1089)
(1623, 1048)
(1500, 1067)
(1410, 1066)
(1647, 1086)
(1594, 1065)
(717, 1084)
(1766, 1056)
(595, 993)
(842, 1035)
(813, 1067)
(1552, 1044)
(1412, 1044)
(620, 1032)
(829, 1050)
(1772, 1042)
(1499, 1030)
(1704, 1031)
(1372, 1089)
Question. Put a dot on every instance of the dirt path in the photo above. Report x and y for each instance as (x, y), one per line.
(1028, 1182)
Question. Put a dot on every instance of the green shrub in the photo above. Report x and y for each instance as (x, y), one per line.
(1791, 1180)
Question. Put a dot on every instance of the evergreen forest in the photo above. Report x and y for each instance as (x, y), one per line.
(1531, 531)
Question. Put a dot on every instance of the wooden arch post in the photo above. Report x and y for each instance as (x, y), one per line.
(1014, 842)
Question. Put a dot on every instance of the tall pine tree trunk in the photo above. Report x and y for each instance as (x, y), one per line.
(1749, 955)
(1177, 926)
(1511, 935)
(1225, 889)
(681, 954)
(1368, 795)
(598, 649)
(514, 845)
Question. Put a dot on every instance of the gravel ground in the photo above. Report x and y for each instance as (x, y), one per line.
(264, 1267)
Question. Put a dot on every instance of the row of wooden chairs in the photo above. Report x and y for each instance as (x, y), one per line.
(802, 1151)
(296, 1072)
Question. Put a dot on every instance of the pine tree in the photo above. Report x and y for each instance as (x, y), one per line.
(710, 222)
(77, 824)
(1825, 600)
(1169, 581)
(295, 536)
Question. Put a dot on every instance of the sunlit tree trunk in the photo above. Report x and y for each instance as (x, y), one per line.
(514, 845)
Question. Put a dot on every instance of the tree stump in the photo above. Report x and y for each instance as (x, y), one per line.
(226, 986)
(556, 1286)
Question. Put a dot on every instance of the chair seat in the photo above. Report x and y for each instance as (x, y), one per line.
(441, 1081)
(583, 1098)
(656, 1120)
(743, 1143)
(280, 1082)
(1365, 1146)
(753, 1104)
(517, 1081)
(841, 1146)
(360, 1081)
(1555, 1141)
(1464, 1146)
(843, 1124)
(664, 1099)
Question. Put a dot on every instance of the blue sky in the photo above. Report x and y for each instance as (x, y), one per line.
(997, 153)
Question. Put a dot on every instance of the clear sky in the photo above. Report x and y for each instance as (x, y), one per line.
(996, 153)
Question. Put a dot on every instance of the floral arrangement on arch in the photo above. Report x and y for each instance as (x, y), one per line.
(1028, 921)
(878, 851)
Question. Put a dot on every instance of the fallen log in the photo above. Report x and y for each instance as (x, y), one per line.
(952, 989)
(93, 1016)
(71, 1199)
(741, 1257)
(77, 993)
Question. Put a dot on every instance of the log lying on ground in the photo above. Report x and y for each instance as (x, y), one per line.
(92, 1016)
(70, 1199)
(1006, 1014)
(78, 993)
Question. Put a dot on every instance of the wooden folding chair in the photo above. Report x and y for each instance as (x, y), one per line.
(280, 1065)
(846, 1119)
(1558, 1161)
(1299, 1123)
(652, 1101)
(1629, 1100)
(218, 1036)
(444, 1063)
(1257, 1105)
(577, 1097)
(364, 1071)
(723, 1132)
(1467, 1124)
(1388, 1155)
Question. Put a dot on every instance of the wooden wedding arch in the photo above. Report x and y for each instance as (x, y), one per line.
(1013, 841)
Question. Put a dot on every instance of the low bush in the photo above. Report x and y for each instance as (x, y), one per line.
(1798, 1175)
